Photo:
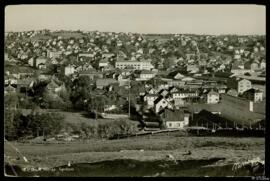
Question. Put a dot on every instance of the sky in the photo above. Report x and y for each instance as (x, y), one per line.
(191, 19)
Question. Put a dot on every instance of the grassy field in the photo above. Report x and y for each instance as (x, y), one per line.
(73, 117)
(140, 148)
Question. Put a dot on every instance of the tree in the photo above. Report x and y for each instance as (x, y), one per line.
(49, 123)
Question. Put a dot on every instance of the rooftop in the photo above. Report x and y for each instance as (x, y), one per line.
(174, 115)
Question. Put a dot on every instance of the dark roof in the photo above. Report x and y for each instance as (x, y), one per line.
(158, 99)
(213, 92)
(174, 115)
(206, 116)
(253, 91)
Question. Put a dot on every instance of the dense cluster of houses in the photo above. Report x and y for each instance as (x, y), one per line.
(181, 63)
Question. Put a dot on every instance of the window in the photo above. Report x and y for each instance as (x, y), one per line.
(170, 124)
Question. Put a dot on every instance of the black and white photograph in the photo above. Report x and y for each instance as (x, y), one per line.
(141, 90)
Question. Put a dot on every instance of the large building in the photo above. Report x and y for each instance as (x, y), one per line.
(240, 110)
(138, 65)
(254, 95)
(239, 84)
(174, 119)
(212, 97)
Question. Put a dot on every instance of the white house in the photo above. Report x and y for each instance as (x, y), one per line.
(212, 97)
(146, 75)
(69, 70)
(175, 119)
(103, 63)
(161, 103)
(150, 98)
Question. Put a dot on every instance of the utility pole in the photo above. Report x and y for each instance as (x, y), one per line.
(129, 99)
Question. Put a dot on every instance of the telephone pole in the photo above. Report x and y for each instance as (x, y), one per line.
(129, 99)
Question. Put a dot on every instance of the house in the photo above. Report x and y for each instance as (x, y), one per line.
(163, 92)
(263, 64)
(103, 63)
(176, 75)
(69, 70)
(126, 72)
(221, 89)
(150, 98)
(137, 65)
(40, 62)
(88, 55)
(24, 84)
(179, 102)
(238, 67)
(176, 83)
(118, 77)
(107, 55)
(9, 89)
(187, 79)
(172, 89)
(83, 67)
(184, 94)
(254, 95)
(10, 79)
(152, 91)
(190, 56)
(54, 54)
(161, 103)
(35, 62)
(241, 85)
(42, 66)
(101, 83)
(193, 68)
(212, 97)
(146, 75)
(251, 65)
(92, 74)
(175, 119)
(232, 92)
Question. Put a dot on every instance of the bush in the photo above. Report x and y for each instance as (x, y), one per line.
(115, 128)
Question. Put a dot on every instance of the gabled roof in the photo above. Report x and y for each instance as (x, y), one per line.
(174, 115)
(9, 88)
(253, 91)
(158, 99)
(213, 92)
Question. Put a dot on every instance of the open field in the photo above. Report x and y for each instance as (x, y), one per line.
(140, 148)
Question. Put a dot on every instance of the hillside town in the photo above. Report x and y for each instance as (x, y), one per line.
(156, 90)
(162, 81)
